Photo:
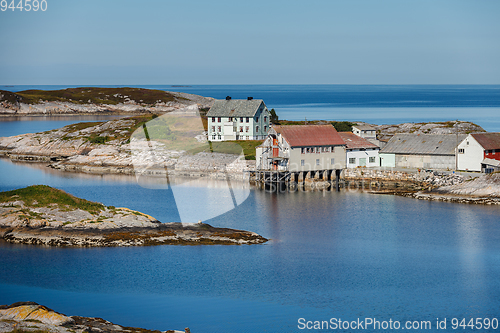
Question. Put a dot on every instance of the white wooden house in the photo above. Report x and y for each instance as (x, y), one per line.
(238, 119)
(367, 132)
(360, 152)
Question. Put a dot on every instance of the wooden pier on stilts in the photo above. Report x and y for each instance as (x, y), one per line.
(291, 181)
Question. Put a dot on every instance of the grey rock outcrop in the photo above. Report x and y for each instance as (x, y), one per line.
(29, 316)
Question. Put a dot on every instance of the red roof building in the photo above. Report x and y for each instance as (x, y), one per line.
(478, 151)
(302, 148)
(490, 143)
(309, 135)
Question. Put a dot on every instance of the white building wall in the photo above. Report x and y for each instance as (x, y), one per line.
(472, 156)
(441, 162)
(317, 161)
(362, 158)
(388, 160)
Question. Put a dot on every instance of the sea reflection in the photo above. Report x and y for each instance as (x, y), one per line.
(471, 255)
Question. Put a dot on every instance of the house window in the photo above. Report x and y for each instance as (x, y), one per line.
(257, 129)
(218, 128)
(318, 150)
(326, 149)
(213, 129)
(247, 128)
(302, 150)
(219, 119)
(257, 119)
(371, 159)
(332, 162)
(213, 119)
(461, 151)
(302, 162)
(241, 119)
(265, 129)
(241, 129)
(317, 161)
(352, 160)
(248, 119)
(219, 136)
(213, 136)
(265, 119)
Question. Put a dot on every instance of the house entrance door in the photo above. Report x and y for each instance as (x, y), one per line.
(362, 161)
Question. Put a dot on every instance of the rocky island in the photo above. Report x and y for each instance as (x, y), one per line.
(44, 215)
(96, 100)
(32, 317)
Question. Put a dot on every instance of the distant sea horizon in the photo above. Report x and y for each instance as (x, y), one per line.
(374, 104)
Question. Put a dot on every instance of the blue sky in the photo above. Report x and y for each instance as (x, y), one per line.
(258, 42)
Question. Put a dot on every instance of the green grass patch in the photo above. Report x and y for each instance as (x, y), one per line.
(343, 126)
(248, 147)
(93, 95)
(43, 196)
(98, 139)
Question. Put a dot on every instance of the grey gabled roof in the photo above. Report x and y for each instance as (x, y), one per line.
(364, 127)
(235, 108)
(423, 144)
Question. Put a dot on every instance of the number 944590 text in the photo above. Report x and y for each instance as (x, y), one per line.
(23, 5)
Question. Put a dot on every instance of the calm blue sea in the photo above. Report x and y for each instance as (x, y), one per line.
(341, 255)
(344, 255)
(376, 104)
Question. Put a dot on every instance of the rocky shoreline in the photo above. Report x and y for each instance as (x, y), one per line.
(41, 215)
(120, 146)
(481, 190)
(426, 185)
(32, 317)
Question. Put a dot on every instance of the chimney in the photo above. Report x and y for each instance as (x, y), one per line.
(249, 98)
(228, 98)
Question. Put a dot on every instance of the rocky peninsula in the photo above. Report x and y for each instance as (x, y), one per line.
(173, 144)
(96, 100)
(32, 317)
(43, 215)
